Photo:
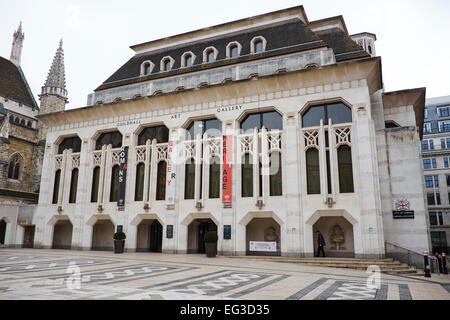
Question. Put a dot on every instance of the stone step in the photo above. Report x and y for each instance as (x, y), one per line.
(325, 260)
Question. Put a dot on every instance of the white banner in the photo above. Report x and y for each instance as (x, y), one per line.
(263, 246)
(171, 173)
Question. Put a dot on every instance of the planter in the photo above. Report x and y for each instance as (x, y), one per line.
(211, 249)
(119, 246)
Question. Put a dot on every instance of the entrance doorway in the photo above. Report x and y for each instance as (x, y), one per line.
(196, 234)
(338, 235)
(263, 230)
(149, 236)
(62, 235)
(2, 231)
(102, 236)
(28, 237)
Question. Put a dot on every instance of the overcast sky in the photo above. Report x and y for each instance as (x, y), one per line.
(413, 35)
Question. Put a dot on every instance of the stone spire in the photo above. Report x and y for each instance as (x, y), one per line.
(54, 94)
(16, 50)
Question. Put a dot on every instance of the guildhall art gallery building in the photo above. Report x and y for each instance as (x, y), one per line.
(265, 129)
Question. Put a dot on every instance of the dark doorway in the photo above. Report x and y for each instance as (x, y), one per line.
(196, 234)
(156, 231)
(28, 237)
(2, 231)
(62, 235)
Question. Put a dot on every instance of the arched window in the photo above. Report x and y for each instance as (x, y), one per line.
(73, 143)
(271, 120)
(29, 124)
(258, 46)
(214, 178)
(73, 186)
(17, 120)
(344, 155)
(212, 127)
(234, 51)
(22, 122)
(161, 181)
(337, 112)
(114, 191)
(14, 168)
(312, 171)
(167, 65)
(139, 187)
(11, 119)
(95, 184)
(147, 69)
(276, 188)
(56, 187)
(247, 176)
(113, 138)
(160, 133)
(189, 180)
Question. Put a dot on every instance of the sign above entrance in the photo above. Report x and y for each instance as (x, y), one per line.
(263, 246)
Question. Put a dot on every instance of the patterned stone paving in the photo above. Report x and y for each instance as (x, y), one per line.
(72, 275)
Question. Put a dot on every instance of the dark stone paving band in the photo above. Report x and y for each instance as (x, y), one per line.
(252, 289)
(329, 291)
(382, 293)
(404, 292)
(308, 289)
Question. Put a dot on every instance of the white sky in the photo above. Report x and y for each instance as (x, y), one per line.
(413, 35)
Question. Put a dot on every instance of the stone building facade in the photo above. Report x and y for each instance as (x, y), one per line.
(264, 129)
(21, 149)
(436, 157)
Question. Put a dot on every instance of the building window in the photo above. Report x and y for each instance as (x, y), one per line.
(427, 163)
(345, 169)
(114, 190)
(426, 113)
(271, 120)
(139, 186)
(161, 181)
(258, 45)
(312, 171)
(337, 112)
(147, 68)
(438, 199)
(210, 54)
(439, 241)
(160, 133)
(276, 185)
(95, 184)
(443, 112)
(29, 124)
(167, 65)
(212, 127)
(73, 143)
(433, 160)
(56, 187)
(427, 127)
(443, 145)
(424, 145)
(11, 119)
(445, 162)
(430, 199)
(73, 186)
(436, 218)
(109, 138)
(187, 59)
(189, 180)
(14, 167)
(233, 50)
(214, 178)
(247, 176)
(444, 126)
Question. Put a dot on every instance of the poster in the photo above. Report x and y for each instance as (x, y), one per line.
(171, 173)
(123, 160)
(227, 179)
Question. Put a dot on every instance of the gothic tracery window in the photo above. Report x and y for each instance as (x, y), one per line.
(14, 167)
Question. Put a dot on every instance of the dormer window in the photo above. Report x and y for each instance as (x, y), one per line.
(147, 68)
(187, 59)
(166, 64)
(233, 50)
(210, 54)
(258, 45)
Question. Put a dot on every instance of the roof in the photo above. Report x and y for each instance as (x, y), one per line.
(437, 101)
(13, 84)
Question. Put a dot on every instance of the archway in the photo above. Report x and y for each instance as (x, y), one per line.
(338, 235)
(149, 236)
(62, 235)
(2, 231)
(196, 234)
(102, 235)
(264, 231)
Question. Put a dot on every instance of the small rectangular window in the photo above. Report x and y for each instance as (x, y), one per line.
(431, 145)
(425, 145)
(433, 218)
(430, 199)
(443, 146)
(429, 182)
(436, 181)
(434, 163)
(446, 162)
(438, 199)
(440, 219)
(426, 163)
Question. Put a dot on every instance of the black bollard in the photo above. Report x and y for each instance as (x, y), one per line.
(444, 263)
(427, 265)
(439, 259)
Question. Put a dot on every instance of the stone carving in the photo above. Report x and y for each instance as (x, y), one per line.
(337, 238)
(271, 235)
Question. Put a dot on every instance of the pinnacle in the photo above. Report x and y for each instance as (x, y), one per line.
(56, 76)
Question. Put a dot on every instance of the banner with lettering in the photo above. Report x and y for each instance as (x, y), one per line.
(171, 173)
(227, 179)
(123, 160)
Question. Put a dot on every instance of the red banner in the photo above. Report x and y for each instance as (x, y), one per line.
(227, 174)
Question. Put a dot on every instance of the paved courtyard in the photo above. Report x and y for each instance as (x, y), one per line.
(71, 275)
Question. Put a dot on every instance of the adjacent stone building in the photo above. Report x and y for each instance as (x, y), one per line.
(264, 129)
(436, 157)
(22, 141)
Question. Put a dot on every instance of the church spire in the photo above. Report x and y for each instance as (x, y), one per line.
(16, 50)
(54, 94)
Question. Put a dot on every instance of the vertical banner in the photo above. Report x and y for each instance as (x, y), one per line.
(227, 195)
(171, 173)
(122, 176)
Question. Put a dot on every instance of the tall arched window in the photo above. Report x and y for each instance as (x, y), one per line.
(160, 133)
(95, 184)
(161, 181)
(214, 178)
(56, 187)
(73, 143)
(234, 51)
(271, 120)
(189, 180)
(114, 190)
(276, 188)
(344, 154)
(14, 168)
(73, 186)
(139, 188)
(312, 171)
(258, 46)
(337, 112)
(247, 176)
(113, 138)
(212, 127)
